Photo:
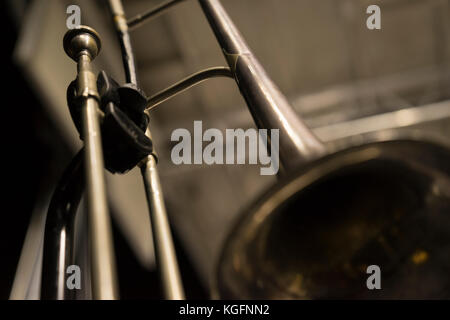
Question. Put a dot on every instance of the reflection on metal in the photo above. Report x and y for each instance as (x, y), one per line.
(59, 232)
(187, 83)
(269, 107)
(83, 45)
(152, 13)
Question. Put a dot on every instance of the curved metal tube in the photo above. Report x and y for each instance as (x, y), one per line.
(59, 231)
(152, 13)
(269, 107)
(187, 83)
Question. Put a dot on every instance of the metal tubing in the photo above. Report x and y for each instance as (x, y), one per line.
(164, 249)
(82, 44)
(121, 26)
(162, 237)
(59, 232)
(103, 268)
(269, 107)
(140, 19)
(187, 83)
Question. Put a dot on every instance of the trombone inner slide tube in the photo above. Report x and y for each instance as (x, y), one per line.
(269, 107)
(82, 44)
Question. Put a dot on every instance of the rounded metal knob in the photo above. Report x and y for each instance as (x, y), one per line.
(82, 40)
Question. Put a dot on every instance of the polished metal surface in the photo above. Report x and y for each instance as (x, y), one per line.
(83, 45)
(269, 107)
(82, 41)
(162, 237)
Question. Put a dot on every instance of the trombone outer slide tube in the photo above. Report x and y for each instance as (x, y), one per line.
(103, 267)
(162, 237)
(269, 107)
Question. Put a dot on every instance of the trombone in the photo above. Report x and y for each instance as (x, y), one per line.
(288, 241)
